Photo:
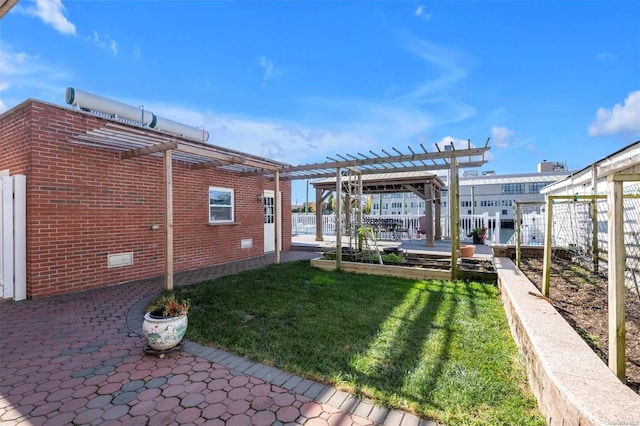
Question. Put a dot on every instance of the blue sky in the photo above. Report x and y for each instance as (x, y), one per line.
(298, 81)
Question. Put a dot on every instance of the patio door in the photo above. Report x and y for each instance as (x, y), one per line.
(269, 221)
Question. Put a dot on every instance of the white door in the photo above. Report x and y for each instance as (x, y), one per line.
(269, 221)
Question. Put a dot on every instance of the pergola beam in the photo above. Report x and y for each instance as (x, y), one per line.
(473, 152)
(5, 6)
(204, 152)
(371, 171)
(139, 152)
(217, 163)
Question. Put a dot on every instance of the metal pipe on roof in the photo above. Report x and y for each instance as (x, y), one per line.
(91, 102)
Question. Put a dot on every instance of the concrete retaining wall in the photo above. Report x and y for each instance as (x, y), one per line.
(572, 385)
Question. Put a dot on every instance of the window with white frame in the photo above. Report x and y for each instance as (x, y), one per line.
(220, 204)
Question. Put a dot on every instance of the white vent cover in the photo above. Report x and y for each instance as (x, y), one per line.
(120, 259)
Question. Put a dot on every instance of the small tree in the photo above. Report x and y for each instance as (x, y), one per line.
(367, 206)
(331, 204)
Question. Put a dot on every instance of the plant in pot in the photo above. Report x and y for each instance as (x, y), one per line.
(165, 323)
(478, 235)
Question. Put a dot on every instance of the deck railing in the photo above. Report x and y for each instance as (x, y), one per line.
(387, 225)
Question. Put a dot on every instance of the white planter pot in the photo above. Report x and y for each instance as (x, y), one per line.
(163, 333)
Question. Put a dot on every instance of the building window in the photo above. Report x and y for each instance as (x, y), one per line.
(220, 204)
(513, 188)
(534, 188)
(504, 212)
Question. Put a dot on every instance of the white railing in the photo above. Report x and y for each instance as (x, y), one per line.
(305, 224)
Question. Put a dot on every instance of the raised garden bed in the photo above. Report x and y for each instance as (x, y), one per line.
(412, 265)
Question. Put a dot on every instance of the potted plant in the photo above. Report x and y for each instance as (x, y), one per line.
(166, 322)
(478, 235)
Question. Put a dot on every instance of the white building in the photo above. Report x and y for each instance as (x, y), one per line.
(486, 193)
(573, 218)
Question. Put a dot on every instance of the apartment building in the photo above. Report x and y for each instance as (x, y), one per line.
(485, 192)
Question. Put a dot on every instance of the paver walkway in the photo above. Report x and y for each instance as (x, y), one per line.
(78, 359)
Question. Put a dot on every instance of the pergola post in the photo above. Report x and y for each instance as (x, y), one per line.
(428, 212)
(338, 218)
(454, 208)
(594, 220)
(320, 198)
(616, 307)
(438, 206)
(548, 235)
(277, 216)
(168, 220)
(518, 236)
(347, 212)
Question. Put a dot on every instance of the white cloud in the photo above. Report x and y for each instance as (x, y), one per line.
(449, 67)
(621, 119)
(268, 67)
(113, 46)
(501, 136)
(297, 142)
(137, 53)
(606, 56)
(3, 86)
(26, 75)
(342, 125)
(462, 144)
(104, 42)
(420, 12)
(51, 12)
(458, 143)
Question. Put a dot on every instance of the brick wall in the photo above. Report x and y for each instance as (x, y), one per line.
(14, 139)
(84, 204)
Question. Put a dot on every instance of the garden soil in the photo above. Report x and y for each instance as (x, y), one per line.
(581, 298)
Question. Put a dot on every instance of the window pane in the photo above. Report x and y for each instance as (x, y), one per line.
(219, 213)
(219, 198)
(220, 204)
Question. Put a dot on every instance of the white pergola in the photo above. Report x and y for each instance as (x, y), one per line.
(428, 187)
(445, 158)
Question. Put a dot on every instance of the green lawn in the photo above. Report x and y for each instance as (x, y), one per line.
(439, 349)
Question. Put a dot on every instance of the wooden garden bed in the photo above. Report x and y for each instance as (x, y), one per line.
(415, 266)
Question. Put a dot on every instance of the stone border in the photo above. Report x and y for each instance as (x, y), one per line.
(572, 385)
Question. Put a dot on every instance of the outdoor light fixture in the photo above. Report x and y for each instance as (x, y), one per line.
(260, 197)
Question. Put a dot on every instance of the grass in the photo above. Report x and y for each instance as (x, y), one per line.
(582, 275)
(441, 350)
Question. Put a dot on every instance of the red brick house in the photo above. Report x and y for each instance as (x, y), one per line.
(97, 207)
